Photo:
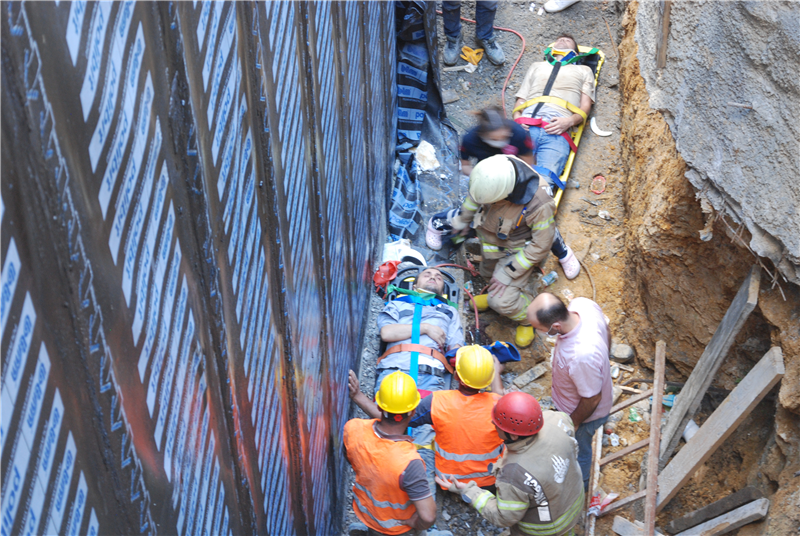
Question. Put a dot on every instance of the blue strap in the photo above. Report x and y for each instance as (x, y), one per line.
(432, 302)
(413, 367)
(415, 326)
(556, 179)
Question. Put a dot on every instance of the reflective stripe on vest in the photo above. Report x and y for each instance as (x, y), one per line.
(382, 504)
(464, 457)
(387, 524)
(378, 500)
(557, 526)
(449, 476)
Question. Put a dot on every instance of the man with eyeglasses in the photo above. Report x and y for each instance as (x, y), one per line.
(582, 386)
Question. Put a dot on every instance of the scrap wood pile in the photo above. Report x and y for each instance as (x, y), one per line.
(664, 474)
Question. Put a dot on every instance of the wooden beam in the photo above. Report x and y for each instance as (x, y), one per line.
(715, 509)
(720, 425)
(631, 401)
(623, 527)
(655, 440)
(594, 475)
(732, 520)
(706, 368)
(624, 452)
(622, 503)
(661, 44)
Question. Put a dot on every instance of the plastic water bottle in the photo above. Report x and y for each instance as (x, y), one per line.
(550, 278)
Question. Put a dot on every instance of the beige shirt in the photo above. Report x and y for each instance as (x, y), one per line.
(571, 81)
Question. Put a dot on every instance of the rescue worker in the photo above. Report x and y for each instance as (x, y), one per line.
(539, 484)
(391, 494)
(466, 440)
(512, 210)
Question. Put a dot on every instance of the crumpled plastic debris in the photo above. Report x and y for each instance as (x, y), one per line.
(426, 156)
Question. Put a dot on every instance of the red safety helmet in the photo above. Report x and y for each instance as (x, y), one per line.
(518, 413)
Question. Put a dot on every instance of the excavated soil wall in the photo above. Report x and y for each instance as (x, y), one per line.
(680, 287)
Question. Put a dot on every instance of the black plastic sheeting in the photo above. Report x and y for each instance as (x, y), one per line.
(417, 194)
(188, 230)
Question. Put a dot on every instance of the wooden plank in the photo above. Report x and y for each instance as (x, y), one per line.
(732, 520)
(597, 451)
(706, 368)
(715, 509)
(624, 452)
(655, 440)
(721, 424)
(631, 401)
(623, 527)
(622, 503)
(661, 44)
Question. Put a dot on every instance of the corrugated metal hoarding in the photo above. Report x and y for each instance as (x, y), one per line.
(191, 205)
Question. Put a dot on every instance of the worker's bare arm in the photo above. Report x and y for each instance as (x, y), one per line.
(466, 167)
(361, 400)
(497, 381)
(528, 159)
(585, 409)
(425, 515)
(401, 332)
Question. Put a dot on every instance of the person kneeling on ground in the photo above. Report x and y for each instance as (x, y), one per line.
(466, 440)
(512, 211)
(539, 484)
(391, 494)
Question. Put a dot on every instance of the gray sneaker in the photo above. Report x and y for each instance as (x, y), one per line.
(492, 51)
(452, 49)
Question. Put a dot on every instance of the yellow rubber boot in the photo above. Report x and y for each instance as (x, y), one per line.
(524, 336)
(482, 302)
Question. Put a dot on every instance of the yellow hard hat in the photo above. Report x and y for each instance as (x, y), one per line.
(492, 179)
(398, 393)
(475, 366)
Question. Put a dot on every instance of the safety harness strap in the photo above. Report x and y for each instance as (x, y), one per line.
(420, 349)
(548, 86)
(541, 123)
(552, 100)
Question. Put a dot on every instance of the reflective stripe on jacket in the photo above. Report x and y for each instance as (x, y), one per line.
(378, 463)
(466, 439)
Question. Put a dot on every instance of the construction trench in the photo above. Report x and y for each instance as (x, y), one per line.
(245, 155)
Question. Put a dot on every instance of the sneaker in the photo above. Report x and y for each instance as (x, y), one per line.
(492, 50)
(433, 238)
(482, 302)
(570, 264)
(452, 49)
(524, 336)
(554, 6)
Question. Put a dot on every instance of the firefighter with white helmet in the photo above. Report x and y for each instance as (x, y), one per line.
(511, 208)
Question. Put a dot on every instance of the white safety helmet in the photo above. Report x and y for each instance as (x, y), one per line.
(492, 179)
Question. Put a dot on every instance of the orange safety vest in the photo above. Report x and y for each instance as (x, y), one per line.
(378, 463)
(466, 440)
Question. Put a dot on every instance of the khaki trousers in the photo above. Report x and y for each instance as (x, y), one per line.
(515, 300)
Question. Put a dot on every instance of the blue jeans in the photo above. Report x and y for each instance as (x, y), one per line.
(551, 151)
(559, 247)
(584, 435)
(484, 17)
